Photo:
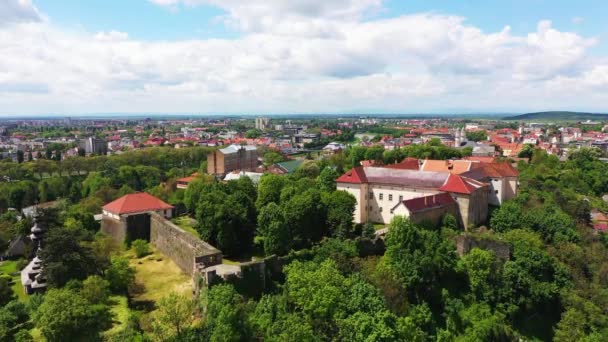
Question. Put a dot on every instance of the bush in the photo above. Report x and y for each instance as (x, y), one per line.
(141, 248)
(95, 289)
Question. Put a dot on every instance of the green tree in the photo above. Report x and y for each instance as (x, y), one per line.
(483, 272)
(269, 189)
(120, 275)
(225, 314)
(274, 230)
(327, 179)
(272, 158)
(418, 257)
(12, 316)
(509, 216)
(477, 135)
(173, 315)
(340, 210)
(95, 289)
(65, 258)
(67, 316)
(6, 293)
(253, 134)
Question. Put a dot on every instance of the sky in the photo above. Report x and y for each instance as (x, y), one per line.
(74, 57)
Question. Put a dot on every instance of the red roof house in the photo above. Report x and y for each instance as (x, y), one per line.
(137, 203)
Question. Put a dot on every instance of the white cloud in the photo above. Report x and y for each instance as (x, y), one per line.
(13, 11)
(111, 36)
(324, 58)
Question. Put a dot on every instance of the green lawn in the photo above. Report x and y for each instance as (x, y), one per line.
(8, 267)
(186, 223)
(156, 275)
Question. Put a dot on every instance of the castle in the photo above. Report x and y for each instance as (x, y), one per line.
(464, 192)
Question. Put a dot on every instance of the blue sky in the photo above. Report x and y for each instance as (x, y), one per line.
(145, 20)
(274, 56)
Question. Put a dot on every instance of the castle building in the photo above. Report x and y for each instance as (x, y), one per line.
(383, 193)
(502, 178)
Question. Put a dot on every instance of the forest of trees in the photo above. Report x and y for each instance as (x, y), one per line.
(553, 285)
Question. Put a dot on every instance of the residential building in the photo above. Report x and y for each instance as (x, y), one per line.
(262, 123)
(93, 145)
(231, 158)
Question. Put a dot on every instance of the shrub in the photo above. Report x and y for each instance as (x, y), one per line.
(141, 248)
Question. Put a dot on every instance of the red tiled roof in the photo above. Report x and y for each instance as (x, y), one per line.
(451, 166)
(355, 175)
(493, 170)
(406, 164)
(428, 202)
(460, 185)
(135, 203)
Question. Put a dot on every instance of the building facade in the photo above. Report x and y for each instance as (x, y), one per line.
(231, 158)
(383, 193)
(262, 123)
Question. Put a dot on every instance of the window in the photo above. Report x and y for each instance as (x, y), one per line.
(381, 196)
(371, 195)
(400, 198)
(390, 197)
(380, 209)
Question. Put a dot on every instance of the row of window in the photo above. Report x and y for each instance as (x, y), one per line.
(381, 196)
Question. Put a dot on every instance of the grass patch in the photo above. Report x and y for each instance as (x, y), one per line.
(119, 307)
(9, 267)
(155, 279)
(186, 223)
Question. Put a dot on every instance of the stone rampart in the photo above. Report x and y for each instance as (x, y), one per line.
(182, 247)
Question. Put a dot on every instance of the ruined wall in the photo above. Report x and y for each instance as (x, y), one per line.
(464, 244)
(182, 247)
(434, 216)
(117, 229)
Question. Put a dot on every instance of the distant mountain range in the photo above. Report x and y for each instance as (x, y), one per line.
(558, 116)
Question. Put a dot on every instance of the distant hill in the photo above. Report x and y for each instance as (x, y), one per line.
(558, 116)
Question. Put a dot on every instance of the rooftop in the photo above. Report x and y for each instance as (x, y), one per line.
(136, 203)
(428, 202)
(235, 148)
